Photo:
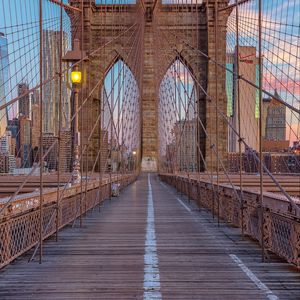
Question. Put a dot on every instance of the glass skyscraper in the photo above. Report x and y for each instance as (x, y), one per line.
(4, 66)
(229, 88)
(51, 90)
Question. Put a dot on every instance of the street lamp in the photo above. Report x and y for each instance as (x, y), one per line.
(76, 77)
(76, 80)
(74, 56)
(134, 159)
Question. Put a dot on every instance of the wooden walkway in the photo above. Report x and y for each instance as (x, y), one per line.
(106, 258)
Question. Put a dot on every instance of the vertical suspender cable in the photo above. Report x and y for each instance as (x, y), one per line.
(59, 116)
(211, 166)
(216, 110)
(260, 127)
(81, 119)
(88, 111)
(237, 95)
(41, 132)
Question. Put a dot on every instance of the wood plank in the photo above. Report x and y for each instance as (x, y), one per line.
(105, 258)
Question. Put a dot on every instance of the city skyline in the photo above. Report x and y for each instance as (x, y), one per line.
(4, 77)
(177, 78)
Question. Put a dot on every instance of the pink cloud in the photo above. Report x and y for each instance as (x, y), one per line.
(270, 82)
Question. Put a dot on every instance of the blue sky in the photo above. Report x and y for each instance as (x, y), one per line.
(281, 31)
(19, 21)
(280, 47)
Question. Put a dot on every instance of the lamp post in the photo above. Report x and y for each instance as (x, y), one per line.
(76, 80)
(74, 56)
(134, 159)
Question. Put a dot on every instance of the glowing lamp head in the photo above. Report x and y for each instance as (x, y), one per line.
(134, 152)
(76, 77)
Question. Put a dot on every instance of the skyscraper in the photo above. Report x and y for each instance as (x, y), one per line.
(50, 141)
(35, 97)
(24, 102)
(35, 126)
(248, 66)
(275, 119)
(4, 70)
(51, 91)
(5, 143)
(65, 151)
(25, 142)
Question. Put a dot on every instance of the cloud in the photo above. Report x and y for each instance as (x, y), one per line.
(248, 23)
(281, 50)
(271, 82)
(285, 52)
(180, 73)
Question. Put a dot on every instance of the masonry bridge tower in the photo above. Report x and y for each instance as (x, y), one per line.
(190, 29)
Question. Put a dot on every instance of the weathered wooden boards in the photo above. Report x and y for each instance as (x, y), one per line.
(105, 258)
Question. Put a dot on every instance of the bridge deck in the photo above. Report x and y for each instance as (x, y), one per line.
(105, 259)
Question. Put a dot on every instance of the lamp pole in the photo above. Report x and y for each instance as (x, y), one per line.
(76, 176)
(74, 56)
(134, 160)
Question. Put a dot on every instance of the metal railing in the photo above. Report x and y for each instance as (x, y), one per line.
(281, 229)
(19, 228)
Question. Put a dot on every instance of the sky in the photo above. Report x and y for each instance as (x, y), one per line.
(19, 21)
(281, 46)
(120, 96)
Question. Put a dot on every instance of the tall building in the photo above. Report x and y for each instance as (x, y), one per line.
(186, 144)
(6, 143)
(35, 130)
(275, 119)
(35, 97)
(51, 91)
(7, 163)
(230, 84)
(50, 145)
(25, 142)
(65, 151)
(248, 98)
(24, 102)
(13, 146)
(35, 126)
(4, 74)
(13, 128)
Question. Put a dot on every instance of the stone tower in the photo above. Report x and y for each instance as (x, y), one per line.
(103, 22)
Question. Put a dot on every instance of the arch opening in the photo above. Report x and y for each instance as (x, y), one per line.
(120, 119)
(178, 124)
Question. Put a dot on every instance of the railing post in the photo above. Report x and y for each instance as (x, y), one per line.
(261, 171)
(41, 133)
(189, 185)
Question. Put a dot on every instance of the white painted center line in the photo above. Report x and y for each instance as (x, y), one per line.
(151, 269)
(270, 295)
(178, 199)
(185, 206)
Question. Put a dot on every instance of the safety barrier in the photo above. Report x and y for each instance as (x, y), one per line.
(19, 225)
(281, 226)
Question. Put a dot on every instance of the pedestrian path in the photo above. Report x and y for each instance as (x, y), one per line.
(150, 243)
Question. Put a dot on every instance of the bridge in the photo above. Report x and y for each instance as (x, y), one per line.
(149, 149)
